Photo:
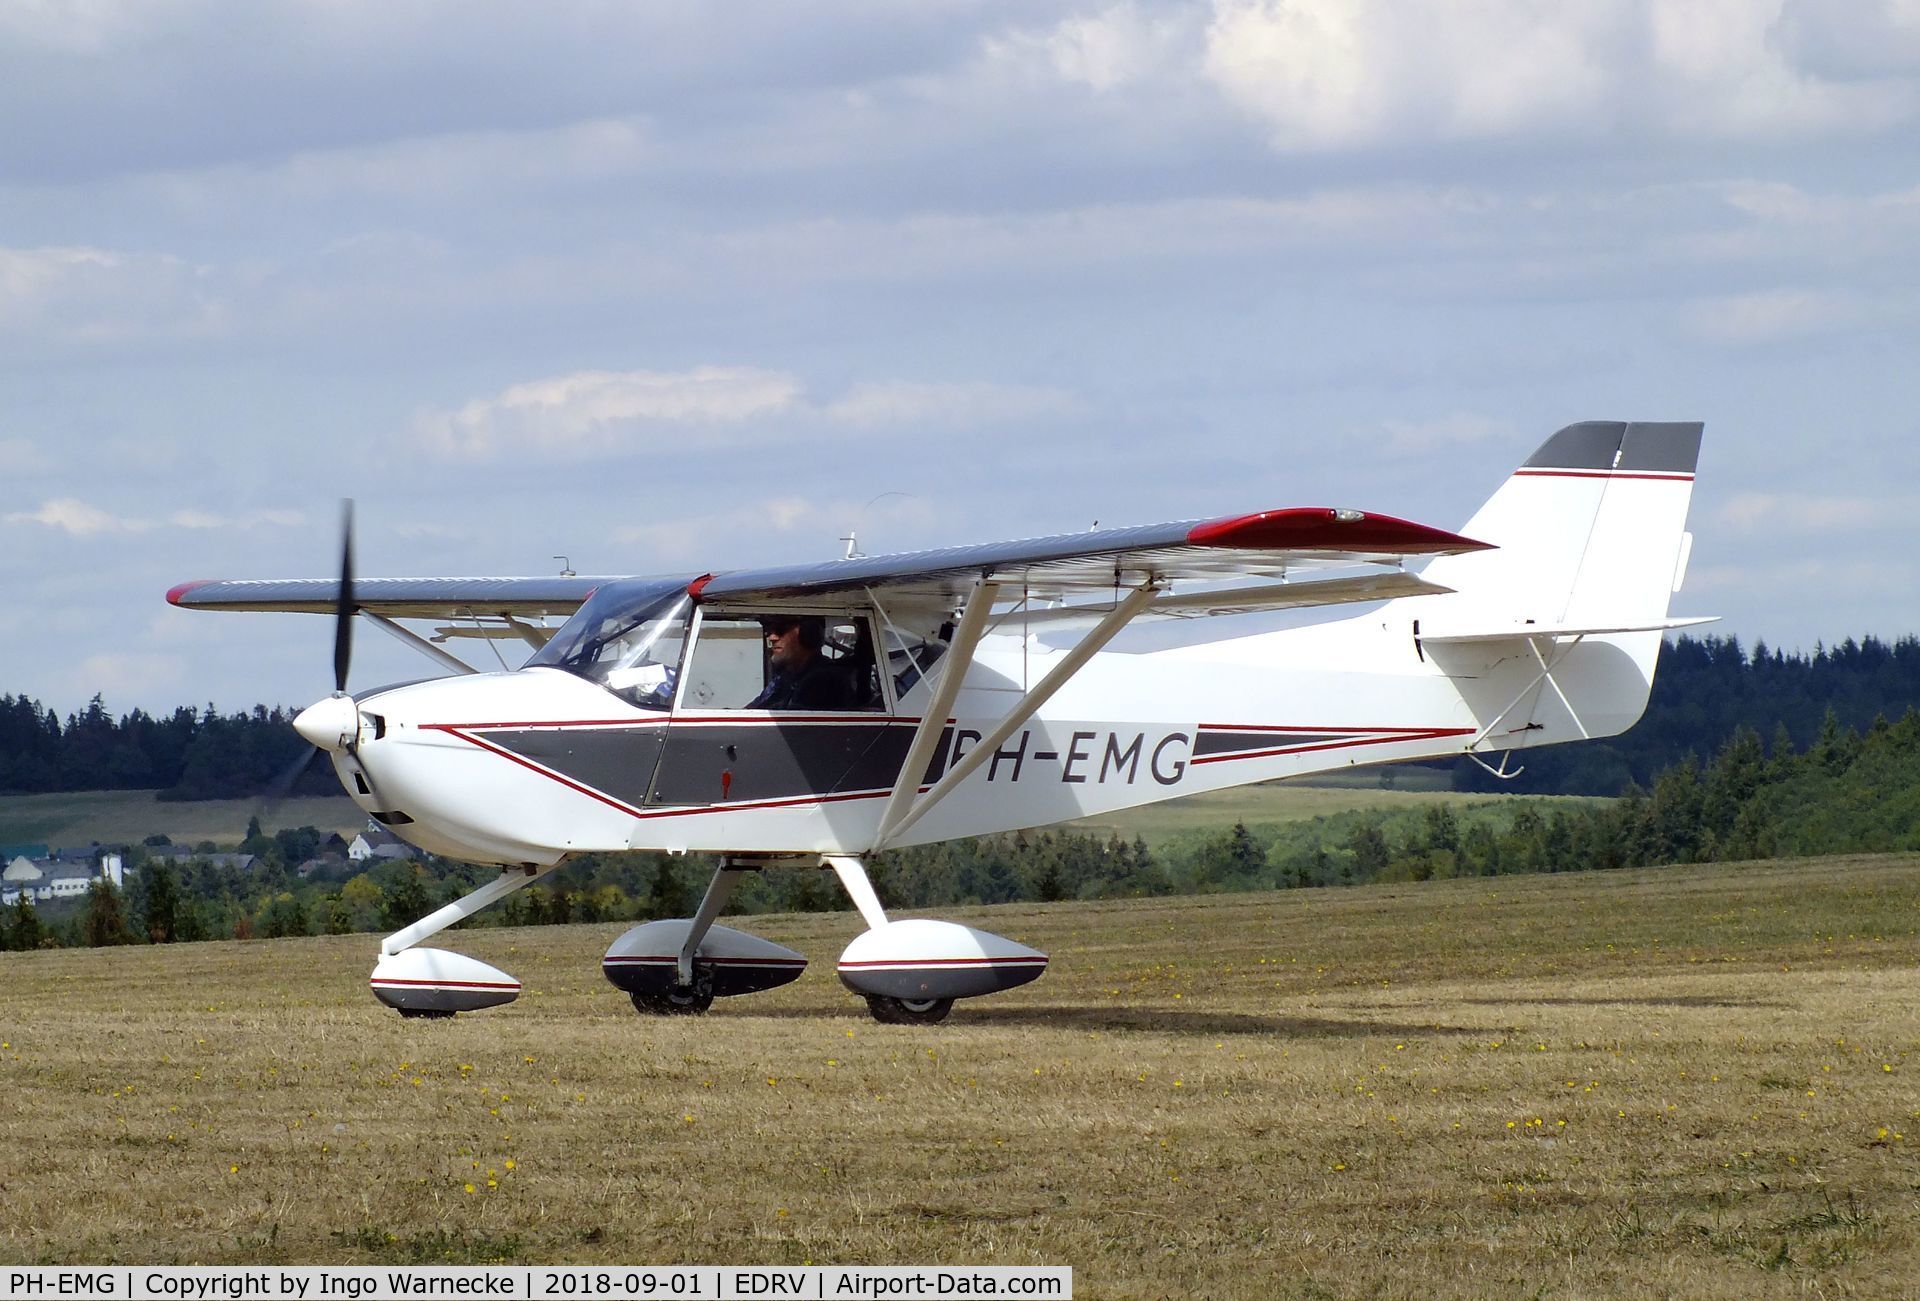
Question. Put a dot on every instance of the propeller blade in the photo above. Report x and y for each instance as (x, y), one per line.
(282, 785)
(344, 609)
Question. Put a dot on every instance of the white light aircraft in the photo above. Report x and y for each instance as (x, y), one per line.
(810, 715)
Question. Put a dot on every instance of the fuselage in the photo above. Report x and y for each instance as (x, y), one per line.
(531, 765)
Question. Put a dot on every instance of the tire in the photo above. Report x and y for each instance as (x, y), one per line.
(681, 1000)
(426, 1013)
(908, 1011)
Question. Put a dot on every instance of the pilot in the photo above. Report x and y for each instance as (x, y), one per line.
(802, 678)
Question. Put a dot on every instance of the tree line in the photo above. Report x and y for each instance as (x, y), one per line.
(1705, 689)
(186, 755)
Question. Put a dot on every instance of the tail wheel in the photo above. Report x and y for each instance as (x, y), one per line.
(681, 1000)
(908, 1011)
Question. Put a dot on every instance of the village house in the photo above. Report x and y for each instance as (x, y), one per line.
(378, 845)
(60, 875)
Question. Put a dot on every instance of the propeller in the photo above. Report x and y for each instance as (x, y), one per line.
(331, 724)
(334, 723)
(344, 609)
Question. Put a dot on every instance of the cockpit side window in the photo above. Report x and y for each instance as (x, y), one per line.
(779, 660)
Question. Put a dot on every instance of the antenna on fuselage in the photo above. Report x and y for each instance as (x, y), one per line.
(566, 567)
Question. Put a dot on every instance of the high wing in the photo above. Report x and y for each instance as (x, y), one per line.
(1273, 544)
(1278, 546)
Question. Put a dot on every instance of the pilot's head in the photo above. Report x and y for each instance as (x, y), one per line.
(793, 640)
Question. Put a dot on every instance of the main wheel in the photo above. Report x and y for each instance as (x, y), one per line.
(908, 1011)
(429, 1013)
(681, 1000)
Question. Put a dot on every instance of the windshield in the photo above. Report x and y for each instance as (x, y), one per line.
(627, 637)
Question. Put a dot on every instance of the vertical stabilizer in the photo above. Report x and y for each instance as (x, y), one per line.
(1590, 531)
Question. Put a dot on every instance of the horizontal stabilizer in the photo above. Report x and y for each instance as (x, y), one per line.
(1526, 631)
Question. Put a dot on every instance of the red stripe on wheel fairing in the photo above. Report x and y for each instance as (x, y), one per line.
(385, 983)
(625, 961)
(894, 964)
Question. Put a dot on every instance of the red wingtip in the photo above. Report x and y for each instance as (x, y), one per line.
(1316, 528)
(176, 592)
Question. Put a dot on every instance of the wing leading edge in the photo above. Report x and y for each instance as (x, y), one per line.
(1274, 544)
(396, 598)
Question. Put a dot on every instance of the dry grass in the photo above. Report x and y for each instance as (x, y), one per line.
(1690, 1082)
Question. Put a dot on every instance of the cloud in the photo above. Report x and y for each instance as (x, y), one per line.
(785, 529)
(1769, 316)
(609, 413)
(93, 295)
(1417, 436)
(1343, 74)
(595, 412)
(1851, 38)
(124, 675)
(81, 519)
(970, 406)
(1765, 513)
(1103, 51)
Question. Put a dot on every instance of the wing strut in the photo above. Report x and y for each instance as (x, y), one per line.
(1037, 695)
(419, 643)
(954, 665)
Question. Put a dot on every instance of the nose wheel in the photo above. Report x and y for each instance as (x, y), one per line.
(908, 1011)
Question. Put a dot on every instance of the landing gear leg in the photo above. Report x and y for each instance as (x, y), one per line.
(692, 990)
(886, 1010)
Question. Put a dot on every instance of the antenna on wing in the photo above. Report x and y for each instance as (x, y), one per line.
(852, 536)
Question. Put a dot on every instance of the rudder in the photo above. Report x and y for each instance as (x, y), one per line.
(1590, 531)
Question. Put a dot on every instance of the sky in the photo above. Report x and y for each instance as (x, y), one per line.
(679, 286)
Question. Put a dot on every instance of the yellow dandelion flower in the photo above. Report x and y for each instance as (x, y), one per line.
(470, 1188)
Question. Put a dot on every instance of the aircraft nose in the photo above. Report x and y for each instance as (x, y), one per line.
(331, 724)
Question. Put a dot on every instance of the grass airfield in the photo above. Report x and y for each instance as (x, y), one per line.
(1687, 1081)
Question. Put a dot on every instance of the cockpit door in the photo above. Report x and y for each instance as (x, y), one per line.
(721, 749)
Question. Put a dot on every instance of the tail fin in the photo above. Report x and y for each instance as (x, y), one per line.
(1591, 533)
